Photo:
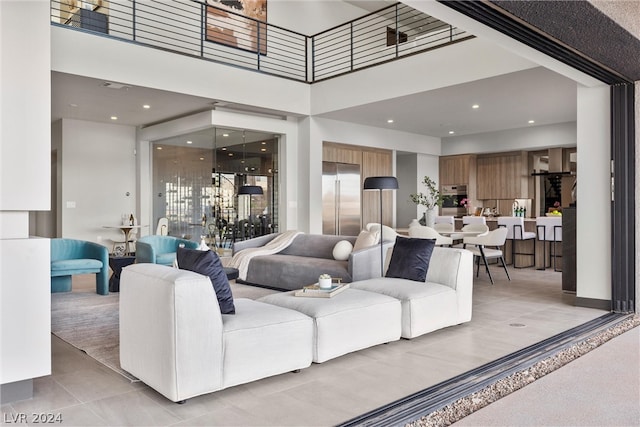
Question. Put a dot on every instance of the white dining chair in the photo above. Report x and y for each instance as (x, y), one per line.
(443, 226)
(488, 247)
(423, 232)
(163, 227)
(472, 219)
(479, 228)
(445, 219)
(515, 233)
(549, 231)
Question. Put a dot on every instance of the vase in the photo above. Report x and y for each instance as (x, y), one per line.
(430, 217)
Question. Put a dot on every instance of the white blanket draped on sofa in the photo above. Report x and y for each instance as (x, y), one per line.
(241, 259)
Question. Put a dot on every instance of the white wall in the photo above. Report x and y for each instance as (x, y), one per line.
(98, 169)
(527, 138)
(311, 17)
(406, 172)
(593, 207)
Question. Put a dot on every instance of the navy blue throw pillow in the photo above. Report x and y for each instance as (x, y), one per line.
(208, 264)
(410, 258)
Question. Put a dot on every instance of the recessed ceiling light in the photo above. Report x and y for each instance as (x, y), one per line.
(73, 105)
(531, 121)
(475, 106)
(263, 143)
(224, 148)
(158, 148)
(189, 142)
(390, 121)
(225, 135)
(114, 117)
(230, 154)
(146, 106)
(201, 158)
(451, 132)
(263, 149)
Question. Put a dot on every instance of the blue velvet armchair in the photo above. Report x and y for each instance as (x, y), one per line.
(160, 249)
(70, 256)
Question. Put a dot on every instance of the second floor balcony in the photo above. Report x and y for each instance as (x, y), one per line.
(212, 31)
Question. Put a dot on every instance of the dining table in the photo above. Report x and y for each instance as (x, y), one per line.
(126, 230)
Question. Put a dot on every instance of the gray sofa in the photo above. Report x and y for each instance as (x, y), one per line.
(306, 258)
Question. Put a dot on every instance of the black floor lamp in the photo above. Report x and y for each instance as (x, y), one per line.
(250, 190)
(381, 183)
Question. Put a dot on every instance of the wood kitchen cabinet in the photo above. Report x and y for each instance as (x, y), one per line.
(503, 176)
(455, 170)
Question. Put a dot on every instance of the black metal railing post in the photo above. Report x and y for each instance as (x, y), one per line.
(259, 46)
(351, 47)
(133, 21)
(203, 27)
(397, 31)
(313, 58)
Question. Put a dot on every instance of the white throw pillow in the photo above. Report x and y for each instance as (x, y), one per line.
(388, 233)
(365, 239)
(342, 250)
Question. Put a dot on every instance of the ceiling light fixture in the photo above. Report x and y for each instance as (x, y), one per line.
(224, 148)
(263, 149)
(390, 121)
(225, 135)
(475, 106)
(531, 122)
(201, 158)
(114, 117)
(146, 106)
(189, 142)
(158, 148)
(451, 132)
(73, 105)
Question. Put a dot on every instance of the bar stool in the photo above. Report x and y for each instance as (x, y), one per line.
(515, 227)
(549, 229)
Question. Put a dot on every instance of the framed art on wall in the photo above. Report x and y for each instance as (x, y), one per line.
(238, 23)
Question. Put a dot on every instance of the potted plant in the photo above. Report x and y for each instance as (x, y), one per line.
(429, 200)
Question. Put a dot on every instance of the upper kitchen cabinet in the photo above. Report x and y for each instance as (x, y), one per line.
(503, 176)
(457, 170)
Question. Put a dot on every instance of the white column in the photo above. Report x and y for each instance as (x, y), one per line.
(25, 156)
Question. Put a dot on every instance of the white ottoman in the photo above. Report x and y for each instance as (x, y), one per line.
(349, 321)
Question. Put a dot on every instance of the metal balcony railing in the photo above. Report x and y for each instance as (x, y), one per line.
(207, 30)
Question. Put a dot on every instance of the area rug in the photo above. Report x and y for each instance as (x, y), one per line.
(90, 322)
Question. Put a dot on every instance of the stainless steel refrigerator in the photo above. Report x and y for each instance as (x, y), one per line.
(340, 199)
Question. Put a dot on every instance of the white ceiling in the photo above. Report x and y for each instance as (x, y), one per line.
(506, 102)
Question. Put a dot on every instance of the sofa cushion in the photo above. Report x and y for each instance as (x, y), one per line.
(365, 239)
(208, 264)
(410, 258)
(342, 250)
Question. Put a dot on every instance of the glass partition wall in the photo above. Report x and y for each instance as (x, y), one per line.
(196, 178)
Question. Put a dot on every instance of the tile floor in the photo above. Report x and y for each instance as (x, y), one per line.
(86, 393)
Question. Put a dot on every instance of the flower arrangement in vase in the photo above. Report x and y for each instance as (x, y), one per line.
(432, 199)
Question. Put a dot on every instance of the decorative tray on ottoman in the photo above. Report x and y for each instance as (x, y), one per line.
(314, 291)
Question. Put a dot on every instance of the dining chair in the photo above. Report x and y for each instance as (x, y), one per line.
(163, 227)
(478, 227)
(443, 226)
(515, 233)
(445, 219)
(488, 247)
(472, 219)
(423, 232)
(549, 231)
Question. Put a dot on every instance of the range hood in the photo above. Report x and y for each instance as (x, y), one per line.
(556, 164)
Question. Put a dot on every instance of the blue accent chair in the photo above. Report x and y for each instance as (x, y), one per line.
(160, 249)
(70, 256)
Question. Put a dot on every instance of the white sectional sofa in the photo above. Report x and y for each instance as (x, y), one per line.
(173, 337)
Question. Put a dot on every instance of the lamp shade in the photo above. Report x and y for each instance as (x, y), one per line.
(250, 190)
(381, 183)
